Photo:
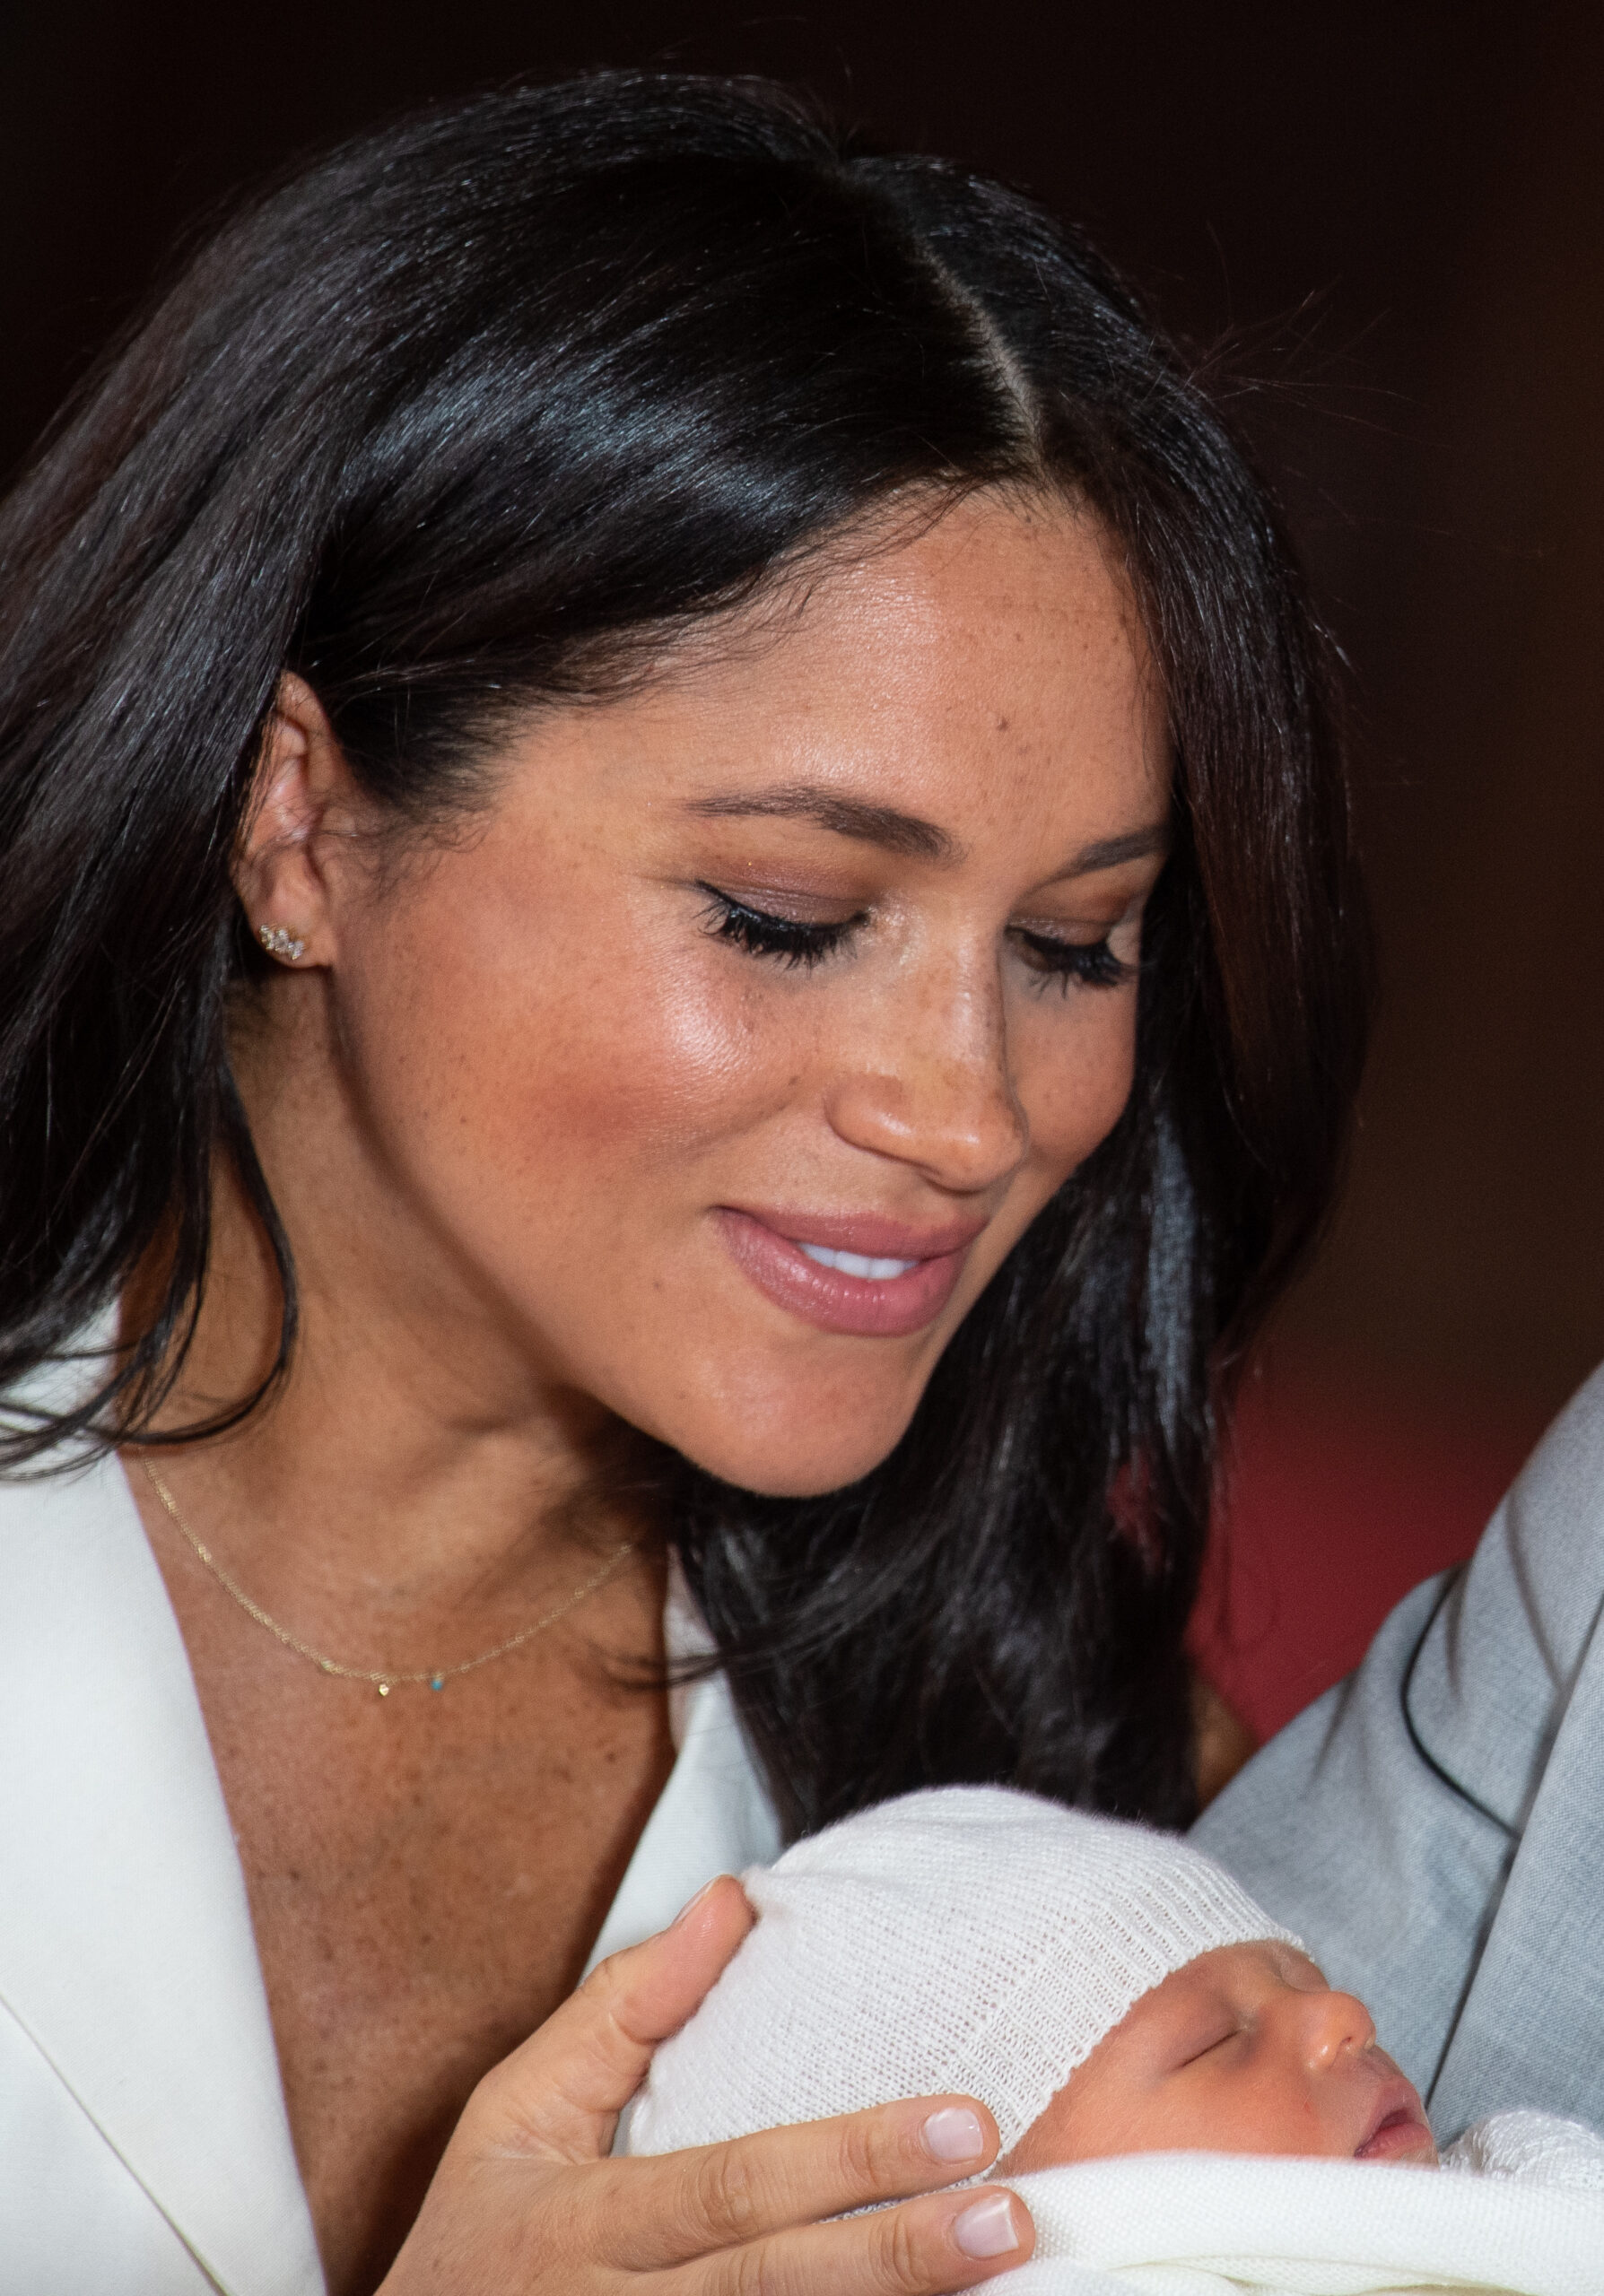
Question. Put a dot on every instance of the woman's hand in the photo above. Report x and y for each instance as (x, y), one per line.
(526, 2203)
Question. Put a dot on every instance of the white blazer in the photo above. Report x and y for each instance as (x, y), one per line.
(145, 2146)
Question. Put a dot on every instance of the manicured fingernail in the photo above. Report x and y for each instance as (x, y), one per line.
(691, 1904)
(953, 2134)
(987, 2229)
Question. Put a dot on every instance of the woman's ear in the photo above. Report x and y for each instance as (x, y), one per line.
(302, 794)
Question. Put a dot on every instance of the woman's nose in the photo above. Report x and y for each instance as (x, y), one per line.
(928, 1084)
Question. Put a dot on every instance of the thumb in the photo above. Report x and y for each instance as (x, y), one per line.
(560, 2094)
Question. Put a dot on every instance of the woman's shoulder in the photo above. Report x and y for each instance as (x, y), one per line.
(73, 1493)
(53, 1388)
(71, 1541)
(134, 2032)
(74, 1562)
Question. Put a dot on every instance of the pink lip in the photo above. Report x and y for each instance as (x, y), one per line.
(767, 1247)
(1397, 2125)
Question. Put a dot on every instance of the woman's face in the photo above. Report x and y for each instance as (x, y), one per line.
(723, 1058)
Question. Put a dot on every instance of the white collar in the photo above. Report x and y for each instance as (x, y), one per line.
(126, 1950)
(125, 1943)
(713, 1817)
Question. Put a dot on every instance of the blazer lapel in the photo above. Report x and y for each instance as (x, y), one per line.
(1528, 2033)
(126, 1943)
(714, 1815)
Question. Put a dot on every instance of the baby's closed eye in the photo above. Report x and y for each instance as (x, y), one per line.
(1204, 2039)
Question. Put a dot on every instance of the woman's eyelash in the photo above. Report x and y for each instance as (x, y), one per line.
(1092, 963)
(792, 942)
(761, 935)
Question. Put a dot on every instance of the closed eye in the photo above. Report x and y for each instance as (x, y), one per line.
(793, 941)
(787, 939)
(1092, 963)
(1217, 2038)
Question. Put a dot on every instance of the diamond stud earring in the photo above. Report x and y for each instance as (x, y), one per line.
(280, 941)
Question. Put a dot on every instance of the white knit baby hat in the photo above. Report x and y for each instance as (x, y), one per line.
(964, 1938)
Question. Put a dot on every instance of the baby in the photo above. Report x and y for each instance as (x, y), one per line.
(1106, 1991)
(976, 1939)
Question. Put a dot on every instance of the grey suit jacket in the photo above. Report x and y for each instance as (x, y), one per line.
(1434, 1827)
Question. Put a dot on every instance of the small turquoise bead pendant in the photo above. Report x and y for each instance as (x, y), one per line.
(437, 1682)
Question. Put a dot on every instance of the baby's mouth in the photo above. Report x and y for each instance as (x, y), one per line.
(1399, 2129)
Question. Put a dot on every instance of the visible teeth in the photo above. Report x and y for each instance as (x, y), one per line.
(876, 1271)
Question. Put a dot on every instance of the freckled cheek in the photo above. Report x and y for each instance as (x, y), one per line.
(549, 1061)
(677, 1071)
(1074, 1080)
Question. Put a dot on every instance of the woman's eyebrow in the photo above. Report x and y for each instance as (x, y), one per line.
(899, 832)
(882, 825)
(1111, 852)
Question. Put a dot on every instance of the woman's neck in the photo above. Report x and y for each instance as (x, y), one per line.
(416, 1459)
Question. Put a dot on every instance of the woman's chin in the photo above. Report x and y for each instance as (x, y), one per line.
(791, 1454)
(809, 1476)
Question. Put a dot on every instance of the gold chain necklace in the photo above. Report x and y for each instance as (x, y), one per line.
(437, 1677)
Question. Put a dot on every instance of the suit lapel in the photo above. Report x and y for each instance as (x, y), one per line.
(126, 1943)
(1529, 2031)
(714, 1816)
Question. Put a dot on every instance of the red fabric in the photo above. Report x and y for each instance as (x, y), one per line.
(1337, 1504)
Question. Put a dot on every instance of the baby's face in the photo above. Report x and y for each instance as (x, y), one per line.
(1244, 2051)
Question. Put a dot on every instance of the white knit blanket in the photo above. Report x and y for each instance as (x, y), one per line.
(1213, 2225)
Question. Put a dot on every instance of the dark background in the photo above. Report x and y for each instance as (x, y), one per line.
(1392, 218)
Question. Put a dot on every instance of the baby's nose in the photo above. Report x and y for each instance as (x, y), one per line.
(1336, 2022)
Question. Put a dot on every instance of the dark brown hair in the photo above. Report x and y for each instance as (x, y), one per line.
(457, 422)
